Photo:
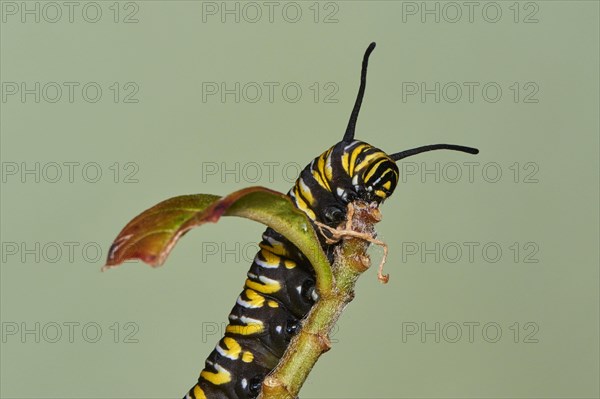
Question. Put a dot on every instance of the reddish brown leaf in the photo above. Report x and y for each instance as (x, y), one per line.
(150, 236)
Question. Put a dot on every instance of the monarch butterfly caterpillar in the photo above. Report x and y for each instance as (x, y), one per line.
(280, 288)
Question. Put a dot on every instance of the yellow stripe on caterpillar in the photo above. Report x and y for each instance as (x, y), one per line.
(318, 178)
(353, 155)
(277, 249)
(328, 168)
(321, 170)
(303, 206)
(254, 301)
(305, 192)
(232, 349)
(380, 194)
(247, 357)
(345, 162)
(222, 376)
(198, 392)
(368, 159)
(270, 257)
(248, 329)
(241, 330)
(373, 170)
(268, 286)
(254, 297)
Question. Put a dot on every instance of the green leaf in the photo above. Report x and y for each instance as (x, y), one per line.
(151, 236)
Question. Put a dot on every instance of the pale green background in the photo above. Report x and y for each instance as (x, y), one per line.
(171, 132)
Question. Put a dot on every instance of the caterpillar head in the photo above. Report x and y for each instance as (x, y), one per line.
(352, 170)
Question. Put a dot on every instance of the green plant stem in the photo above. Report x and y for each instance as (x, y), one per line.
(350, 261)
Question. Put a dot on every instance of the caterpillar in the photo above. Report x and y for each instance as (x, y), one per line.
(280, 288)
